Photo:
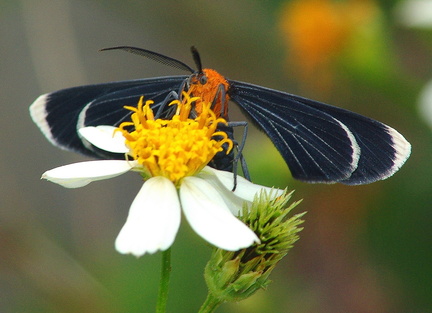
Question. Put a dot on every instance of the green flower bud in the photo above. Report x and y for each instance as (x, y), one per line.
(234, 276)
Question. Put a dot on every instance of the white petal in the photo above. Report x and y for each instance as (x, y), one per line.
(105, 137)
(80, 174)
(209, 216)
(153, 221)
(233, 202)
(245, 189)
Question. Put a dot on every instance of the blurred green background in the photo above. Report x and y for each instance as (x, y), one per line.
(363, 249)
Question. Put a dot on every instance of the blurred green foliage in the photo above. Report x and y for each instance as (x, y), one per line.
(363, 249)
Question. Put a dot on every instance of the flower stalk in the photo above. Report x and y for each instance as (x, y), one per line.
(164, 282)
(210, 304)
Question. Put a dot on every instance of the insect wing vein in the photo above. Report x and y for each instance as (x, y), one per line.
(383, 149)
(316, 146)
(364, 149)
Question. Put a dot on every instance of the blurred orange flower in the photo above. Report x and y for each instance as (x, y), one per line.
(316, 32)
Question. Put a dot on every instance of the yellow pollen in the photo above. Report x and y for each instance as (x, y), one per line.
(177, 147)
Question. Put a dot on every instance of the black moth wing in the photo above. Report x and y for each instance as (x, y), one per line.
(60, 114)
(322, 143)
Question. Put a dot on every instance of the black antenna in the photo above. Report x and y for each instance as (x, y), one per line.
(196, 58)
(154, 56)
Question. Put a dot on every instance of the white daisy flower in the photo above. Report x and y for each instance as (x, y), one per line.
(172, 156)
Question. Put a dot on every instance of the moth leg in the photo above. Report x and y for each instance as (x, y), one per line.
(240, 146)
(163, 111)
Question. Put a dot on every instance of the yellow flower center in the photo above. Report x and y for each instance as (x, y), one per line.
(174, 148)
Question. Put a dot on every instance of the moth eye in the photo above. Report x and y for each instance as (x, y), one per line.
(203, 80)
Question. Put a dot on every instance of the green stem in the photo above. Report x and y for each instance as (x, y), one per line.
(164, 282)
(210, 304)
